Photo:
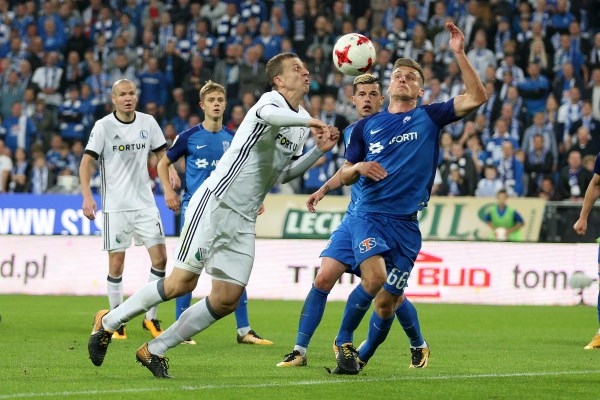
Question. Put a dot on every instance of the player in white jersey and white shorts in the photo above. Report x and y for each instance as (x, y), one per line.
(219, 231)
(122, 141)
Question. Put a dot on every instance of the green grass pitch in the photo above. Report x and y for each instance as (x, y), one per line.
(478, 352)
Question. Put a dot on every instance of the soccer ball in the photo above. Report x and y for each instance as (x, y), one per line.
(353, 54)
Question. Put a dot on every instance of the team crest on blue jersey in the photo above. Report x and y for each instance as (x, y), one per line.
(201, 163)
(225, 146)
(375, 148)
(144, 134)
(367, 244)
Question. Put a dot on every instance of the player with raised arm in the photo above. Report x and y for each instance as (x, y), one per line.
(219, 232)
(591, 195)
(338, 258)
(203, 146)
(121, 141)
(394, 155)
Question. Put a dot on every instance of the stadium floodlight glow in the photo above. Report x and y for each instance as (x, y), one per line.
(579, 281)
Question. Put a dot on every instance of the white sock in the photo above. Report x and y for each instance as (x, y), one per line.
(114, 288)
(193, 320)
(300, 349)
(154, 276)
(243, 331)
(148, 296)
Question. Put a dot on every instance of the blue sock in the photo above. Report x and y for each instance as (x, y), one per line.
(408, 318)
(241, 312)
(378, 331)
(357, 305)
(182, 303)
(311, 314)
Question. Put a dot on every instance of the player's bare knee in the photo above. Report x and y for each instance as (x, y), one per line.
(385, 311)
(223, 305)
(385, 304)
(325, 281)
(373, 282)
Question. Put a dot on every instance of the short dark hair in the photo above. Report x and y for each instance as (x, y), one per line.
(275, 66)
(408, 62)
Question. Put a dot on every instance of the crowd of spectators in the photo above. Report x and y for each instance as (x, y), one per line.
(537, 135)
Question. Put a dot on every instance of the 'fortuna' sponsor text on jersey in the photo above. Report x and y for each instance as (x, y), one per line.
(202, 151)
(407, 146)
(123, 150)
(258, 154)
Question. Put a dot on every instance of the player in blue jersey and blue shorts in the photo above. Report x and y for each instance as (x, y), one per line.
(591, 195)
(338, 257)
(203, 146)
(394, 156)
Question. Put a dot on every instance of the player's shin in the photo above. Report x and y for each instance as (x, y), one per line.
(310, 316)
(148, 296)
(378, 331)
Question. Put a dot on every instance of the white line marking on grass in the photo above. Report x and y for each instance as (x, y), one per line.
(333, 380)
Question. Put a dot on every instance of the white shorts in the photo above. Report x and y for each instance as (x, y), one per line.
(144, 226)
(217, 238)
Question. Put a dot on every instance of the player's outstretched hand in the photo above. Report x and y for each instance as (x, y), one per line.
(317, 124)
(313, 200)
(457, 38)
(372, 170)
(327, 138)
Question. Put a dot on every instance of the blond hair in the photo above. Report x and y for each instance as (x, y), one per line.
(365, 79)
(210, 87)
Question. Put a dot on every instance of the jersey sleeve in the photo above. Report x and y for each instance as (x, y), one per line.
(157, 137)
(597, 165)
(487, 216)
(95, 144)
(356, 152)
(179, 148)
(518, 218)
(442, 113)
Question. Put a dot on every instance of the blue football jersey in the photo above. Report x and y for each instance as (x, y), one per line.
(202, 151)
(355, 189)
(407, 146)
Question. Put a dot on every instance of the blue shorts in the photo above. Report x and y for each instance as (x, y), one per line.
(396, 239)
(339, 247)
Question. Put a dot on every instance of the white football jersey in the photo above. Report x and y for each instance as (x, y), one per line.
(256, 157)
(123, 150)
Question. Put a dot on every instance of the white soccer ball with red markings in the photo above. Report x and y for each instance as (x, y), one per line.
(354, 54)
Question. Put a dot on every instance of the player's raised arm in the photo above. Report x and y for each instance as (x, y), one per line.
(475, 94)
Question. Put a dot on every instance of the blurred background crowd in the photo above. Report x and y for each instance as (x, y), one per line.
(537, 135)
